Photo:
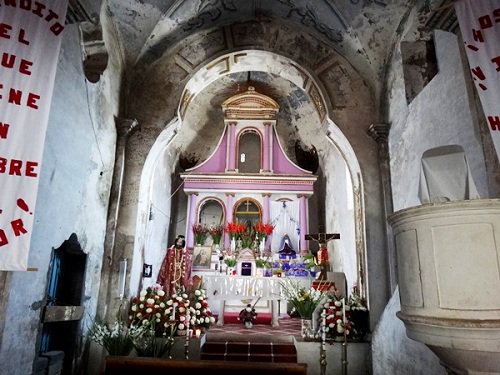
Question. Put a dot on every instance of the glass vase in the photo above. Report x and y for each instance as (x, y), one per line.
(306, 329)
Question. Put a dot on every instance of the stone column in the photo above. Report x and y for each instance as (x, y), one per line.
(231, 147)
(228, 216)
(265, 207)
(303, 225)
(380, 133)
(267, 147)
(110, 265)
(191, 219)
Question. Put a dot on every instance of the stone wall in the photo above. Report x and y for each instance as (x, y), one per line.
(73, 198)
(439, 115)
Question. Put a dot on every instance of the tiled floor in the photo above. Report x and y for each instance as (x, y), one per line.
(288, 327)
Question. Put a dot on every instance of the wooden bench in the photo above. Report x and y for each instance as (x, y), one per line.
(137, 365)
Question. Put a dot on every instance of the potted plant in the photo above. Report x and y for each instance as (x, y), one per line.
(116, 338)
(304, 302)
(261, 265)
(216, 232)
(230, 262)
(200, 232)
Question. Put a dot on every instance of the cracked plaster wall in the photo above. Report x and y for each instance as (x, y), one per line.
(438, 115)
(73, 198)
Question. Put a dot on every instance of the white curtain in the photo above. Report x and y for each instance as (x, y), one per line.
(285, 218)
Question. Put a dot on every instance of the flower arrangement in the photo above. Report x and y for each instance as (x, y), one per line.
(150, 308)
(263, 230)
(230, 261)
(116, 338)
(304, 301)
(216, 232)
(202, 315)
(200, 232)
(262, 263)
(148, 344)
(337, 317)
(178, 306)
(235, 230)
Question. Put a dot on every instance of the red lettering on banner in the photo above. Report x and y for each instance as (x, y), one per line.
(21, 39)
(494, 122)
(485, 22)
(9, 60)
(4, 130)
(496, 15)
(14, 167)
(18, 227)
(40, 10)
(6, 32)
(472, 47)
(477, 35)
(15, 97)
(496, 60)
(3, 238)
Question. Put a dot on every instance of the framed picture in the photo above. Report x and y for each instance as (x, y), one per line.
(202, 257)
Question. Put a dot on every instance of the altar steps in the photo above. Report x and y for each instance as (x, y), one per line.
(261, 348)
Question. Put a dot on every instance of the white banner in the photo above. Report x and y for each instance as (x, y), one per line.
(480, 26)
(30, 39)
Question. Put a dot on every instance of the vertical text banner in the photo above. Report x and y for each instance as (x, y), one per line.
(30, 39)
(480, 26)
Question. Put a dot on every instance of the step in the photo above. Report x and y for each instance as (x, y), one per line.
(249, 351)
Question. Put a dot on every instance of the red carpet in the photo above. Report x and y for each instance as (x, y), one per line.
(232, 318)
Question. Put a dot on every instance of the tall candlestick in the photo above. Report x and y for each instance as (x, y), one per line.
(323, 333)
(343, 311)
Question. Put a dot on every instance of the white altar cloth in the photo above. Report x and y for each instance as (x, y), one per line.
(223, 288)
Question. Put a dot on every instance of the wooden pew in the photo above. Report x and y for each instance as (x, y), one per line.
(137, 365)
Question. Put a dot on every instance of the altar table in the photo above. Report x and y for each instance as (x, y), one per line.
(224, 287)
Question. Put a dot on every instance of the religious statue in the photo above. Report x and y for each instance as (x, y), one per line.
(322, 261)
(321, 258)
(175, 271)
(286, 248)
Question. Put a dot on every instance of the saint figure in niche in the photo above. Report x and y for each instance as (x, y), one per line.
(175, 271)
(286, 248)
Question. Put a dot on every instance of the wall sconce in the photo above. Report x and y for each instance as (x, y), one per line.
(121, 278)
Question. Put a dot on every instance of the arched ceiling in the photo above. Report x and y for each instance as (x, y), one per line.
(363, 31)
(344, 45)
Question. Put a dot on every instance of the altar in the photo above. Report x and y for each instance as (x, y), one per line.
(223, 288)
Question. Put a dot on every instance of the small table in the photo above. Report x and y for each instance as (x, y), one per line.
(223, 287)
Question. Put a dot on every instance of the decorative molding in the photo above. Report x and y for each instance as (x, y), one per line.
(187, 96)
(209, 11)
(225, 65)
(307, 16)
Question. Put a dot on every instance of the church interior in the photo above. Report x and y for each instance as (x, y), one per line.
(350, 130)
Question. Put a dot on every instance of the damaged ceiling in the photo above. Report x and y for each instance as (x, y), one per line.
(345, 44)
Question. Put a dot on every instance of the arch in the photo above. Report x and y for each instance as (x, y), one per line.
(217, 220)
(253, 162)
(251, 214)
(252, 60)
(256, 60)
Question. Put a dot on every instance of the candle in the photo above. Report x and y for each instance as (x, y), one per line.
(323, 333)
(198, 333)
(187, 329)
(172, 317)
(343, 310)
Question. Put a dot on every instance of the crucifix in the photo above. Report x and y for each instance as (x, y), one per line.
(322, 255)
